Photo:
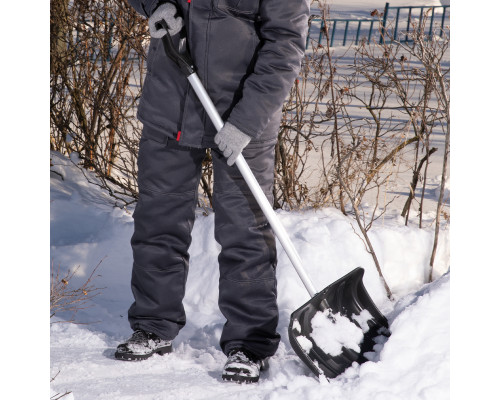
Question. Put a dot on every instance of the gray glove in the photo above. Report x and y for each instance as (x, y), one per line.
(231, 142)
(165, 11)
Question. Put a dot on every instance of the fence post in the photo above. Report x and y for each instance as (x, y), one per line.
(345, 32)
(333, 32)
(420, 18)
(321, 31)
(442, 21)
(370, 32)
(408, 24)
(395, 36)
(357, 33)
(432, 22)
(384, 22)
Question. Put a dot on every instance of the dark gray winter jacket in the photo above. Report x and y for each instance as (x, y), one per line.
(247, 54)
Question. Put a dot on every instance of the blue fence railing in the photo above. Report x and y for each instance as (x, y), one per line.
(405, 16)
(342, 31)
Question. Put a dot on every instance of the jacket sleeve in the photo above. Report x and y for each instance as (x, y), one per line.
(145, 7)
(283, 37)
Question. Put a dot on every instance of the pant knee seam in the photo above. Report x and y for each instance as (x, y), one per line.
(260, 280)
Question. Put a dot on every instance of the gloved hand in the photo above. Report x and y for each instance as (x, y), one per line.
(231, 141)
(165, 11)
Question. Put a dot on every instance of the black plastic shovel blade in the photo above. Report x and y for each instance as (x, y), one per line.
(347, 296)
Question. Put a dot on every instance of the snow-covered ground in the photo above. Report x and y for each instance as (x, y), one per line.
(85, 230)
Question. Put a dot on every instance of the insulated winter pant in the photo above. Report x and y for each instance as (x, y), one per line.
(168, 178)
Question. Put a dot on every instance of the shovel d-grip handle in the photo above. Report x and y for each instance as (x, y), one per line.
(184, 62)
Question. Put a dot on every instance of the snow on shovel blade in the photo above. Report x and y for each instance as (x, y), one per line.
(329, 340)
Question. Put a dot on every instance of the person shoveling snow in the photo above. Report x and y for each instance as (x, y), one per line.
(250, 52)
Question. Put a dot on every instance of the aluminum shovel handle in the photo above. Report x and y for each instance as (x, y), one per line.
(183, 60)
(255, 188)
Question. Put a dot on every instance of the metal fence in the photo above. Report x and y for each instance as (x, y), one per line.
(343, 31)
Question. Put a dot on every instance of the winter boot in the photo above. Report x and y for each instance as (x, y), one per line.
(142, 345)
(242, 367)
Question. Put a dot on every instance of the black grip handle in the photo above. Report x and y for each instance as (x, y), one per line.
(182, 60)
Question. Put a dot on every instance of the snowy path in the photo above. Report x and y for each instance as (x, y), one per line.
(413, 364)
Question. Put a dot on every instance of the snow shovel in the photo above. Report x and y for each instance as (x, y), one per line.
(345, 304)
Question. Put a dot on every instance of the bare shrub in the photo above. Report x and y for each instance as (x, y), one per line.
(66, 298)
(431, 111)
(58, 396)
(365, 121)
(348, 129)
(97, 67)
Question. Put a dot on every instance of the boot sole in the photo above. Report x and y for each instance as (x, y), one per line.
(240, 379)
(140, 357)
